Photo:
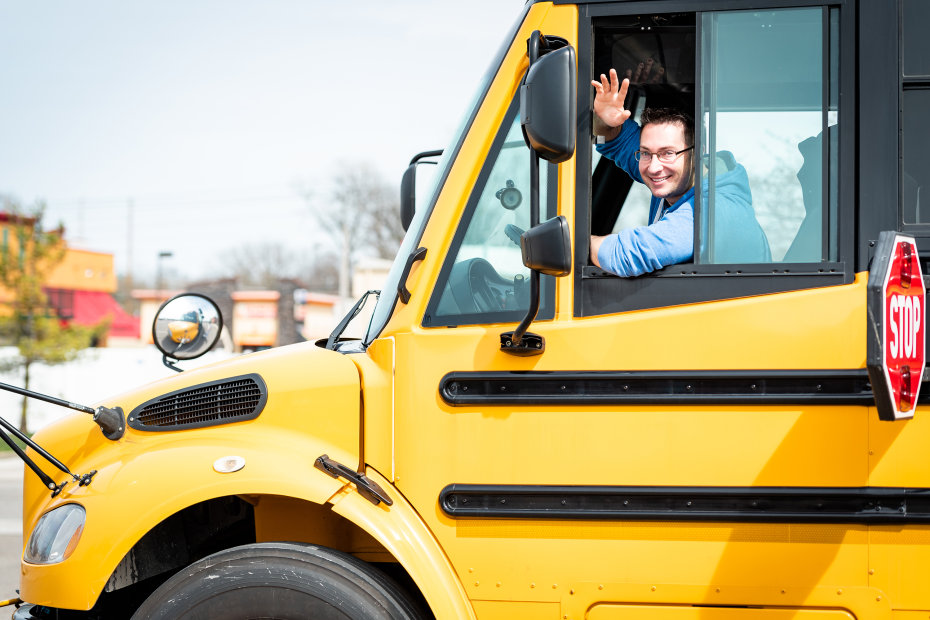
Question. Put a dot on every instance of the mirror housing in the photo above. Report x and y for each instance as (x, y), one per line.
(547, 248)
(187, 326)
(408, 195)
(547, 105)
(408, 187)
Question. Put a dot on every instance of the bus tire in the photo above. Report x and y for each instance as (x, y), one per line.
(285, 581)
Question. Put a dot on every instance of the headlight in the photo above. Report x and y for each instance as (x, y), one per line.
(55, 535)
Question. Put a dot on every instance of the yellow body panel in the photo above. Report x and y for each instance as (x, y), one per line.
(147, 476)
(154, 484)
(674, 612)
(402, 532)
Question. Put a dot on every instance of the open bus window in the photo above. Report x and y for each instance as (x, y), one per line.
(768, 96)
(668, 42)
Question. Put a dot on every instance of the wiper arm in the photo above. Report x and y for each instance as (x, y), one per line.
(110, 421)
(351, 314)
(46, 479)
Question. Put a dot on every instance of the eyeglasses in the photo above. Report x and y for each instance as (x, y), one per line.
(666, 157)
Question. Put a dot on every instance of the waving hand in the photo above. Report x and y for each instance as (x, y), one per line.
(609, 98)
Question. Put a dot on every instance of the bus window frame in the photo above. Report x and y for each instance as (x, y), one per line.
(908, 82)
(599, 292)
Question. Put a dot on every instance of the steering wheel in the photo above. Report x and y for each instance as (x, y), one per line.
(478, 288)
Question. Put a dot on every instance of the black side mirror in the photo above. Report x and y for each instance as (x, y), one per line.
(547, 105)
(408, 195)
(547, 248)
(408, 187)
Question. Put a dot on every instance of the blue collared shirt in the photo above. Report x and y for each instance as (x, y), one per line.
(669, 238)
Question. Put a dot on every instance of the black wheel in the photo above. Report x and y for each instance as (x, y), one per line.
(282, 581)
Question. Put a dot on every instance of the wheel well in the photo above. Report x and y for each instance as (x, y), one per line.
(224, 522)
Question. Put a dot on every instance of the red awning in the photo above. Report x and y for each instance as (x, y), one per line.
(90, 307)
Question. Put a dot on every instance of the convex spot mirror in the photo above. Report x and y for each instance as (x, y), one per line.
(510, 196)
(187, 326)
(547, 105)
(547, 248)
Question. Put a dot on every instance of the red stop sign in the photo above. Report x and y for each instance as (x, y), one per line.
(901, 326)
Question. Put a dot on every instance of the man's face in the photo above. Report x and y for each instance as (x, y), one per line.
(665, 180)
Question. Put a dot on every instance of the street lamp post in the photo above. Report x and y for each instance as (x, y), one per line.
(160, 283)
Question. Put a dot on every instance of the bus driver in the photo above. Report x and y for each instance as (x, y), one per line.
(660, 155)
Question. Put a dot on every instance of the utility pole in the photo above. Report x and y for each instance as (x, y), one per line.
(129, 245)
(161, 284)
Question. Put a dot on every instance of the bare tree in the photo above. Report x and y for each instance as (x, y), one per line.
(264, 265)
(259, 264)
(363, 216)
(323, 276)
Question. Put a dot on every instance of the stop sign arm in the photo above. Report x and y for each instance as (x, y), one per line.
(896, 311)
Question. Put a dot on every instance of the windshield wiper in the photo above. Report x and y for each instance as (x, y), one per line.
(110, 421)
(351, 314)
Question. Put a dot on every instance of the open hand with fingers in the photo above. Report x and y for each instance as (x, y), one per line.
(609, 111)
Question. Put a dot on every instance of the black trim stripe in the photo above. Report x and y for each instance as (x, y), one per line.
(720, 387)
(863, 505)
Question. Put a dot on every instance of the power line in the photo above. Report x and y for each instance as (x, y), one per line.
(148, 204)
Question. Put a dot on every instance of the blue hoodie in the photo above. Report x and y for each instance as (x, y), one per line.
(669, 239)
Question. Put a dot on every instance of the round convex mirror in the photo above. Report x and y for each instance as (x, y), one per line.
(187, 326)
(509, 196)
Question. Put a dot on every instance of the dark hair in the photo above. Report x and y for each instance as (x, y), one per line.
(658, 116)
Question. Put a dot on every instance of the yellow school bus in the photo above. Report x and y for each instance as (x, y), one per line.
(520, 434)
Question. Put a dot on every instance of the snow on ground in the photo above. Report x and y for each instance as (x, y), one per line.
(94, 376)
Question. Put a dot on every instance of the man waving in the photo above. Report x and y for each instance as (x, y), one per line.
(660, 154)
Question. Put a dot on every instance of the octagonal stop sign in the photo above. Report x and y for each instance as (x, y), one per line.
(897, 332)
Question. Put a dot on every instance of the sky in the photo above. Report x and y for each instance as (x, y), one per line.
(197, 126)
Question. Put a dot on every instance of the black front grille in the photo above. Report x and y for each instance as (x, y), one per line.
(208, 404)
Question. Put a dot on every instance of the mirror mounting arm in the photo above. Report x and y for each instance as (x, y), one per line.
(514, 342)
(170, 363)
(547, 113)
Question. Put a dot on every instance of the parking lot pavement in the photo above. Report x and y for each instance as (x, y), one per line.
(11, 534)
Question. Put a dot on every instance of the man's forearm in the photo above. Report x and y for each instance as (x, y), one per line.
(596, 242)
(603, 129)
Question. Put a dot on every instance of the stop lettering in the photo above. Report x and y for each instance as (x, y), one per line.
(897, 304)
